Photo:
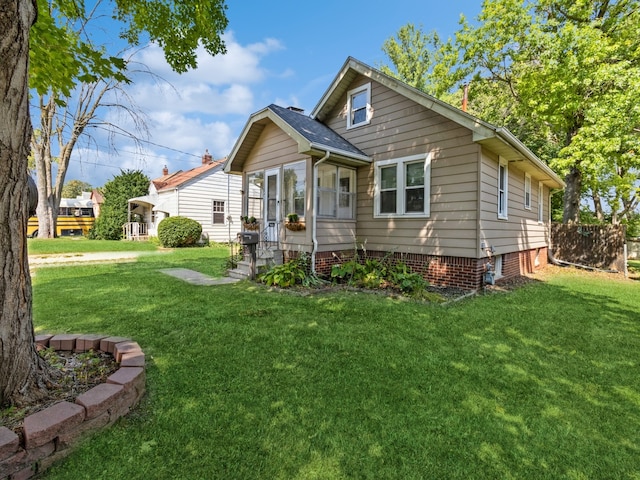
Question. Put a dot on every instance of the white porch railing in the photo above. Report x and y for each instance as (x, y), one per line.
(135, 231)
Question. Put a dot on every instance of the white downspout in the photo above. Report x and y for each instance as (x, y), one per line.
(315, 210)
(228, 204)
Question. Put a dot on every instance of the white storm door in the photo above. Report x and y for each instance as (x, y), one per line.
(272, 204)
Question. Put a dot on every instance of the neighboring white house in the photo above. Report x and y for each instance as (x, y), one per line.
(205, 194)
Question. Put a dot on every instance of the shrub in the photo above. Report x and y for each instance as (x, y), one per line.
(294, 272)
(179, 232)
(374, 274)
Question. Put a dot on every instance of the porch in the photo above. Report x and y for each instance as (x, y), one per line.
(135, 231)
(268, 252)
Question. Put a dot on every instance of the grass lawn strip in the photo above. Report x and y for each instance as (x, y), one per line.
(243, 382)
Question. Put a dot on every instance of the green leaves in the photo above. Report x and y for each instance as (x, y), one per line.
(179, 27)
(563, 76)
(117, 192)
(63, 50)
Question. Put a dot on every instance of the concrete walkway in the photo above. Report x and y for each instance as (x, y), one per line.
(197, 278)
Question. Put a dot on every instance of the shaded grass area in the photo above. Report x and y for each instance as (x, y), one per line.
(39, 246)
(244, 382)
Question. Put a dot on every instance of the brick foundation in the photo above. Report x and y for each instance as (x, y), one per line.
(458, 272)
(50, 434)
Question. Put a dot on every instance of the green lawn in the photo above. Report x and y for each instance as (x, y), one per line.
(246, 383)
(39, 246)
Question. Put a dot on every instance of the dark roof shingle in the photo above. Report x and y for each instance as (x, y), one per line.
(315, 132)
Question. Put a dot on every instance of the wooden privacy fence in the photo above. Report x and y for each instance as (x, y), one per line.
(598, 246)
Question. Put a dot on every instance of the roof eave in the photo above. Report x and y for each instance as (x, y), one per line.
(236, 158)
(348, 158)
(504, 143)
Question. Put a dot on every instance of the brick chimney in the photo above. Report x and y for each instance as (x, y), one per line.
(165, 171)
(206, 158)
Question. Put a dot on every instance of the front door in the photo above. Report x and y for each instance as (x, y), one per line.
(272, 204)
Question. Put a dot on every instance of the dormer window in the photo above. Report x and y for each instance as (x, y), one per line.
(359, 106)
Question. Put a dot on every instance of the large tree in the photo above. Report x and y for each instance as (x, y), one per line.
(65, 114)
(114, 210)
(74, 188)
(178, 26)
(23, 374)
(67, 123)
(564, 75)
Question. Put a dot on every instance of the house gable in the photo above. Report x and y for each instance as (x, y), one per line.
(313, 138)
(497, 139)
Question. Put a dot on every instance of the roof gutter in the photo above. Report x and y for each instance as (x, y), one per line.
(365, 159)
(314, 221)
(508, 137)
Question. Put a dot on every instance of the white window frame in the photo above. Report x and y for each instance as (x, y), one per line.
(540, 203)
(213, 212)
(527, 191)
(343, 201)
(401, 186)
(366, 89)
(503, 192)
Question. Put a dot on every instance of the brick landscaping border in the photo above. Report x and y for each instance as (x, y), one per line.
(50, 434)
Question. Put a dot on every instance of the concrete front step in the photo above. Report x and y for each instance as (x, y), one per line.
(264, 260)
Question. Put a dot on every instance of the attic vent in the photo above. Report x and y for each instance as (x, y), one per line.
(296, 109)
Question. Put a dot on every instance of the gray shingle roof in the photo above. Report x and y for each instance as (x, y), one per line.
(315, 132)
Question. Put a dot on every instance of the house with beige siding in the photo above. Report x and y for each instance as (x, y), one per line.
(385, 168)
(204, 193)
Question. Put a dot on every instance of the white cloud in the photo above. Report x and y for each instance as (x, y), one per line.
(194, 98)
(241, 64)
(185, 114)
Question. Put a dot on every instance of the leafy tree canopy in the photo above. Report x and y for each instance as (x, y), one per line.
(60, 57)
(563, 75)
(74, 188)
(114, 210)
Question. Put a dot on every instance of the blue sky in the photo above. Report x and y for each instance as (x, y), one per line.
(284, 52)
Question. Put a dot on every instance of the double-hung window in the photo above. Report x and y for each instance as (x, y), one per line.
(503, 190)
(359, 106)
(217, 209)
(527, 191)
(336, 192)
(403, 187)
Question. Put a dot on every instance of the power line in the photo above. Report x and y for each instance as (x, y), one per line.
(146, 141)
(126, 135)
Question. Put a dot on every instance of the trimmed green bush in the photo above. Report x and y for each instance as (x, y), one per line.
(179, 232)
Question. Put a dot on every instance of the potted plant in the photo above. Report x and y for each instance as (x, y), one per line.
(249, 223)
(293, 223)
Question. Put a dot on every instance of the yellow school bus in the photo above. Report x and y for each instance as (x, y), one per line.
(75, 217)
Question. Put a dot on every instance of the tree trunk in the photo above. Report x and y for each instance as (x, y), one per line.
(23, 374)
(571, 212)
(597, 205)
(47, 209)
